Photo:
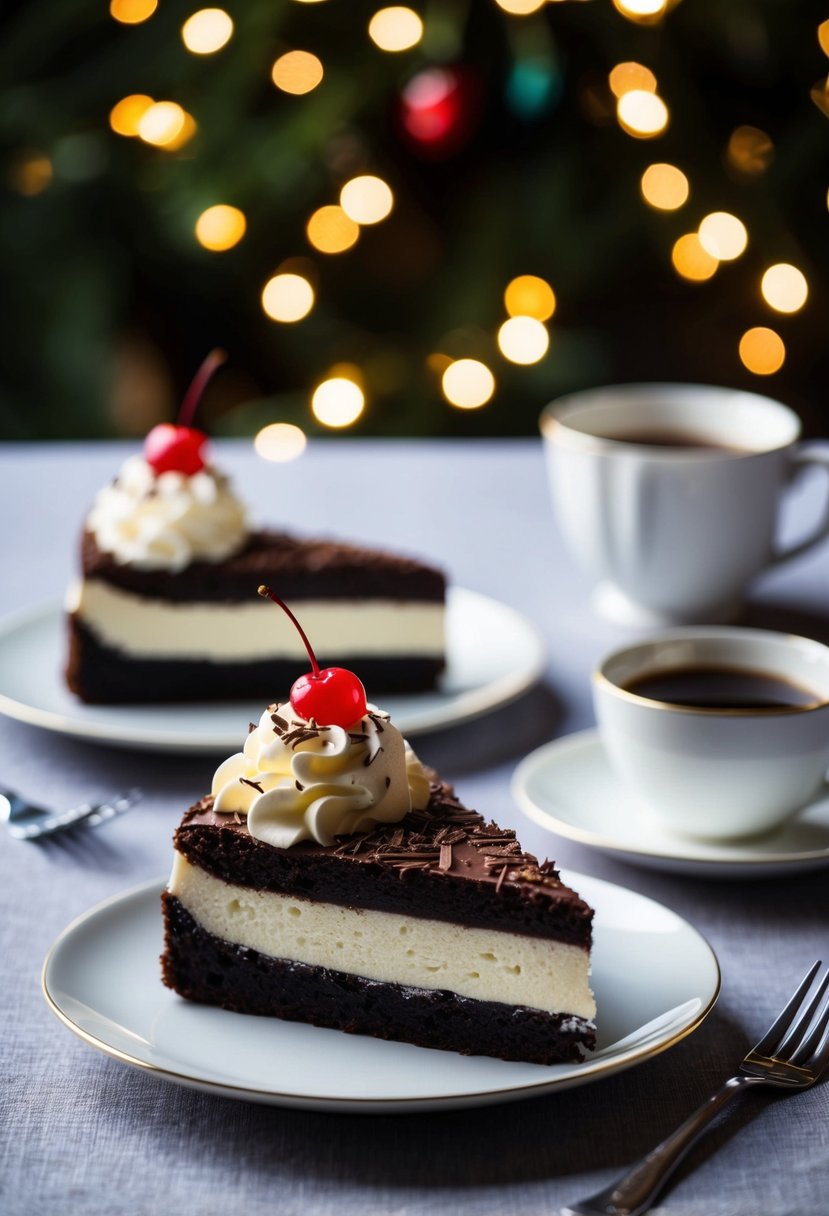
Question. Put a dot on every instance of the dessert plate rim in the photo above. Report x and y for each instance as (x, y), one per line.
(95, 940)
(198, 729)
(577, 762)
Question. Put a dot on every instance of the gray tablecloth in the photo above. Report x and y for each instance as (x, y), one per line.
(83, 1133)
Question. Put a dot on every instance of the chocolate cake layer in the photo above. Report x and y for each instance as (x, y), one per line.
(443, 863)
(102, 674)
(297, 568)
(205, 968)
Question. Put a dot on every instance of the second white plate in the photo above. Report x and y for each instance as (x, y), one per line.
(493, 655)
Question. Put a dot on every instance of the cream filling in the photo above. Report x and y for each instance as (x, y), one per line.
(255, 631)
(484, 964)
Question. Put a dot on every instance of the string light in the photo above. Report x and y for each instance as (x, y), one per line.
(529, 296)
(523, 340)
(31, 174)
(338, 401)
(126, 114)
(297, 72)
(723, 236)
(645, 12)
(331, 231)
(691, 260)
(220, 227)
(207, 31)
(165, 124)
(641, 114)
(132, 12)
(784, 287)
(762, 351)
(366, 199)
(664, 187)
(628, 76)
(467, 384)
(520, 8)
(750, 150)
(287, 297)
(280, 441)
(395, 29)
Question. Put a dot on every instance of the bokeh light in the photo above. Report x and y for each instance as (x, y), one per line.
(337, 402)
(628, 76)
(664, 187)
(396, 28)
(163, 124)
(287, 297)
(280, 441)
(467, 384)
(332, 231)
(784, 287)
(723, 236)
(126, 114)
(366, 199)
(297, 72)
(691, 260)
(523, 340)
(31, 174)
(530, 296)
(750, 150)
(207, 31)
(220, 227)
(644, 12)
(132, 12)
(762, 351)
(823, 36)
(641, 114)
(520, 8)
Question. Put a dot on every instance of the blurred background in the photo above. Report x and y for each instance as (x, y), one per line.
(424, 220)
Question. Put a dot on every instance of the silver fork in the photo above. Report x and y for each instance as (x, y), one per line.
(792, 1054)
(25, 821)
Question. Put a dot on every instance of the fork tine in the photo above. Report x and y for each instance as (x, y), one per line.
(784, 1019)
(792, 1042)
(811, 1045)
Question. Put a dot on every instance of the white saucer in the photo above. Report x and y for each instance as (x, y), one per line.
(655, 979)
(568, 787)
(493, 655)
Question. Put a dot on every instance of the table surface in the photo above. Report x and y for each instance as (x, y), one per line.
(86, 1134)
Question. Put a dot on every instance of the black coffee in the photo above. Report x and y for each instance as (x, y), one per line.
(655, 438)
(723, 688)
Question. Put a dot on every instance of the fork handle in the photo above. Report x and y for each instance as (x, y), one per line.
(634, 1192)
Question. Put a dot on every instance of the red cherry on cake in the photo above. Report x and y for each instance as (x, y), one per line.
(181, 448)
(332, 696)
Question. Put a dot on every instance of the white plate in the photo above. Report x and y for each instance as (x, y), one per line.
(655, 979)
(568, 787)
(493, 655)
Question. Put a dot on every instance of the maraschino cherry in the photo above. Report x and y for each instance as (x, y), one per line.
(333, 696)
(179, 447)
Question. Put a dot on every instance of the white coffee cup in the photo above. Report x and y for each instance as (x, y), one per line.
(674, 533)
(716, 773)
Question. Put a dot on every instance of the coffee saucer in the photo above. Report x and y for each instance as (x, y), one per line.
(569, 788)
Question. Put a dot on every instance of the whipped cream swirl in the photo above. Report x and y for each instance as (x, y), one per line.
(297, 781)
(166, 521)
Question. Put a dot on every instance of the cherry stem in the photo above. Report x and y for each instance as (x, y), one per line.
(198, 384)
(267, 594)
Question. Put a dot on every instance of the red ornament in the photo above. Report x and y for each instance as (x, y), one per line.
(439, 109)
(181, 448)
(332, 696)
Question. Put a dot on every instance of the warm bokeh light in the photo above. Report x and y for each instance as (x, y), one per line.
(337, 402)
(220, 227)
(366, 199)
(823, 36)
(523, 340)
(297, 72)
(762, 351)
(31, 174)
(188, 130)
(467, 384)
(784, 287)
(331, 231)
(691, 260)
(664, 187)
(280, 441)
(162, 123)
(628, 76)
(520, 8)
(529, 296)
(132, 12)
(395, 29)
(287, 297)
(641, 114)
(750, 150)
(643, 11)
(125, 116)
(207, 31)
(723, 236)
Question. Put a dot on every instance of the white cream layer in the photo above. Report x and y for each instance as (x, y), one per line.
(484, 964)
(254, 631)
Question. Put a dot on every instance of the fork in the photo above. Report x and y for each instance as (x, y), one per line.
(791, 1055)
(25, 821)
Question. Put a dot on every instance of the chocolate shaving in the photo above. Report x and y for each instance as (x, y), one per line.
(372, 757)
(388, 782)
(357, 736)
(251, 727)
(445, 862)
(253, 784)
(501, 878)
(299, 786)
